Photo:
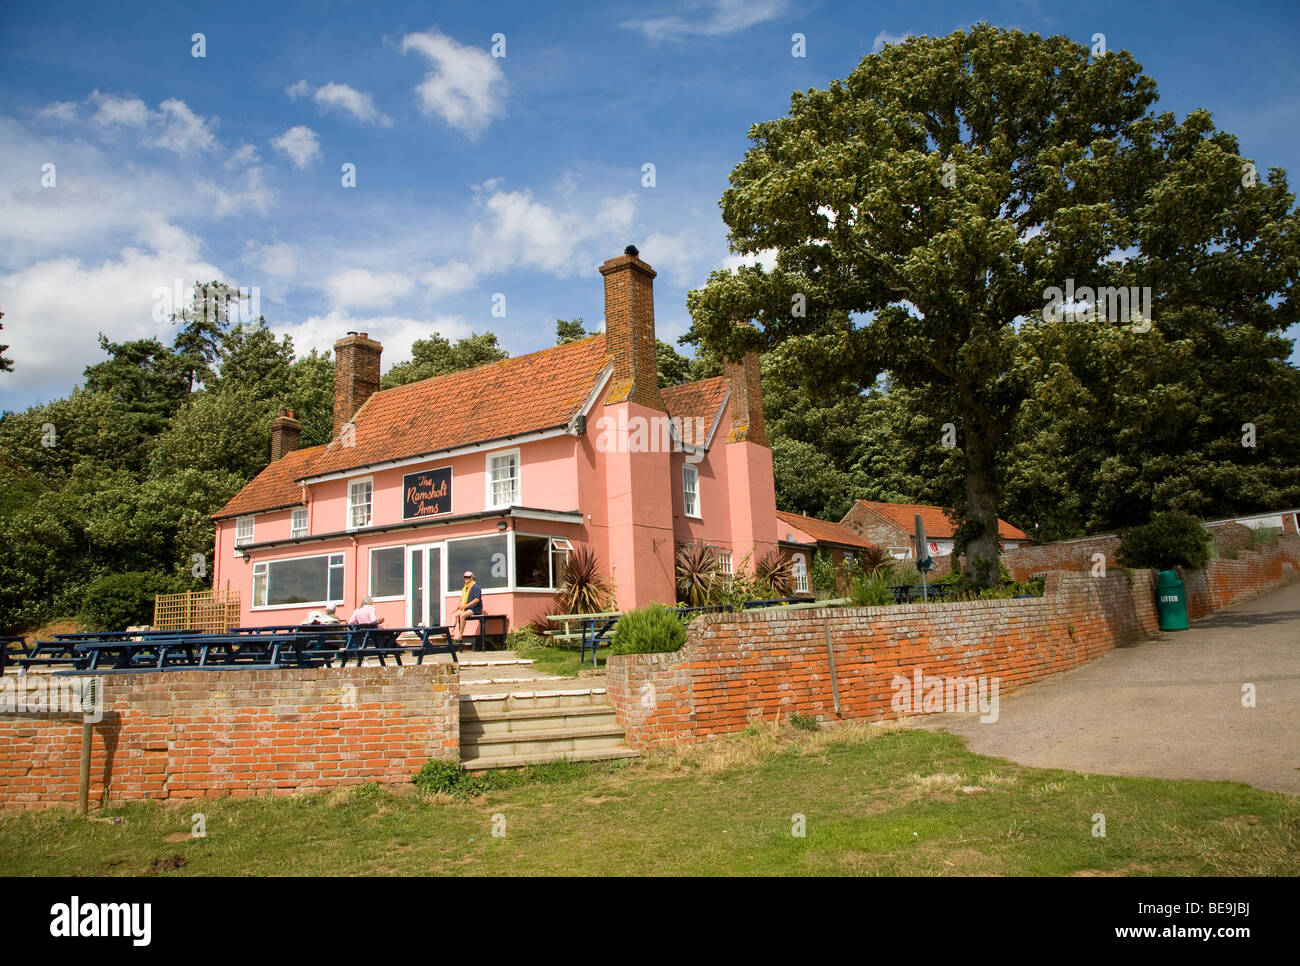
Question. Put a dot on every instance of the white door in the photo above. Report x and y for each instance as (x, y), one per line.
(424, 593)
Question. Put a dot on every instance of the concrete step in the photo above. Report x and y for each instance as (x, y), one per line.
(493, 697)
(556, 741)
(475, 661)
(474, 722)
(496, 760)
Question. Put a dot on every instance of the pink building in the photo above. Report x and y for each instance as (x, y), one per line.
(502, 470)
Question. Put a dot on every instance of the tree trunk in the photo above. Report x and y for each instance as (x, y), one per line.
(981, 508)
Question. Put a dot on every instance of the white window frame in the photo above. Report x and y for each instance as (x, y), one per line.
(243, 541)
(692, 474)
(799, 569)
(726, 566)
(556, 543)
(488, 497)
(454, 589)
(370, 504)
(295, 530)
(370, 573)
(262, 569)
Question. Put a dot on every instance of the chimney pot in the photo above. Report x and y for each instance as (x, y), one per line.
(631, 250)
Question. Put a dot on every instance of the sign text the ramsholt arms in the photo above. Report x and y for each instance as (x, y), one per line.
(426, 494)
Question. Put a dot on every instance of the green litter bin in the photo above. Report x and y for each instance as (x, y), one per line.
(1171, 601)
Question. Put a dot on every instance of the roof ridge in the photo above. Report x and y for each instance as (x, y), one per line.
(483, 365)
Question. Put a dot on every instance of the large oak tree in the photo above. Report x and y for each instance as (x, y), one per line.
(921, 210)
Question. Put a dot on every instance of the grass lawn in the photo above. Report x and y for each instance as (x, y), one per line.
(562, 660)
(877, 800)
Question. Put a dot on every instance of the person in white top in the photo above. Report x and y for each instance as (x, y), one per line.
(316, 617)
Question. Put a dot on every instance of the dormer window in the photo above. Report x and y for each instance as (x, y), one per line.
(503, 479)
(360, 493)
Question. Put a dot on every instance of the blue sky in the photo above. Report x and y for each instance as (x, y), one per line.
(476, 175)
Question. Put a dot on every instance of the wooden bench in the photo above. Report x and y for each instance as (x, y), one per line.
(481, 636)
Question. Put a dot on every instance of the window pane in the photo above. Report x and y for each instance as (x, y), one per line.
(299, 524)
(299, 581)
(336, 583)
(486, 556)
(532, 563)
(388, 572)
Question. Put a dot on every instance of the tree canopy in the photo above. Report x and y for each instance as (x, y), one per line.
(922, 211)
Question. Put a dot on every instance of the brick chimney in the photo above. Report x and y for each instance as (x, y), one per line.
(630, 329)
(356, 375)
(746, 401)
(286, 434)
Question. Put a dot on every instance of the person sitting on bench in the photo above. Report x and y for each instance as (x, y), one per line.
(365, 614)
(471, 605)
(316, 617)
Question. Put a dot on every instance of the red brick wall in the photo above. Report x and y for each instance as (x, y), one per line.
(736, 668)
(206, 734)
(739, 667)
(1225, 582)
(1076, 555)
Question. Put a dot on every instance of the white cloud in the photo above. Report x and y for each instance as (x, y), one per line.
(59, 111)
(253, 195)
(362, 288)
(342, 97)
(320, 332)
(352, 101)
(522, 232)
(55, 308)
(723, 17)
(113, 109)
(466, 88)
(300, 143)
(278, 259)
(448, 279)
(183, 131)
(765, 258)
(885, 37)
(174, 126)
(246, 154)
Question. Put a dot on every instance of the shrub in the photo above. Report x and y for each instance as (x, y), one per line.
(1173, 539)
(870, 591)
(115, 602)
(524, 639)
(584, 588)
(652, 629)
(875, 561)
(822, 575)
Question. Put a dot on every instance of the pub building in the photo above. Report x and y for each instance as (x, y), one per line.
(504, 469)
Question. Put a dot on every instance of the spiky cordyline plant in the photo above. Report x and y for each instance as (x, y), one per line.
(776, 570)
(584, 588)
(698, 570)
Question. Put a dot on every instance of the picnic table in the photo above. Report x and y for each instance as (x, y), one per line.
(906, 593)
(243, 647)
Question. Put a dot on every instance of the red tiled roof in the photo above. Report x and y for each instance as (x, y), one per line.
(507, 398)
(934, 519)
(501, 399)
(273, 487)
(823, 531)
(694, 402)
